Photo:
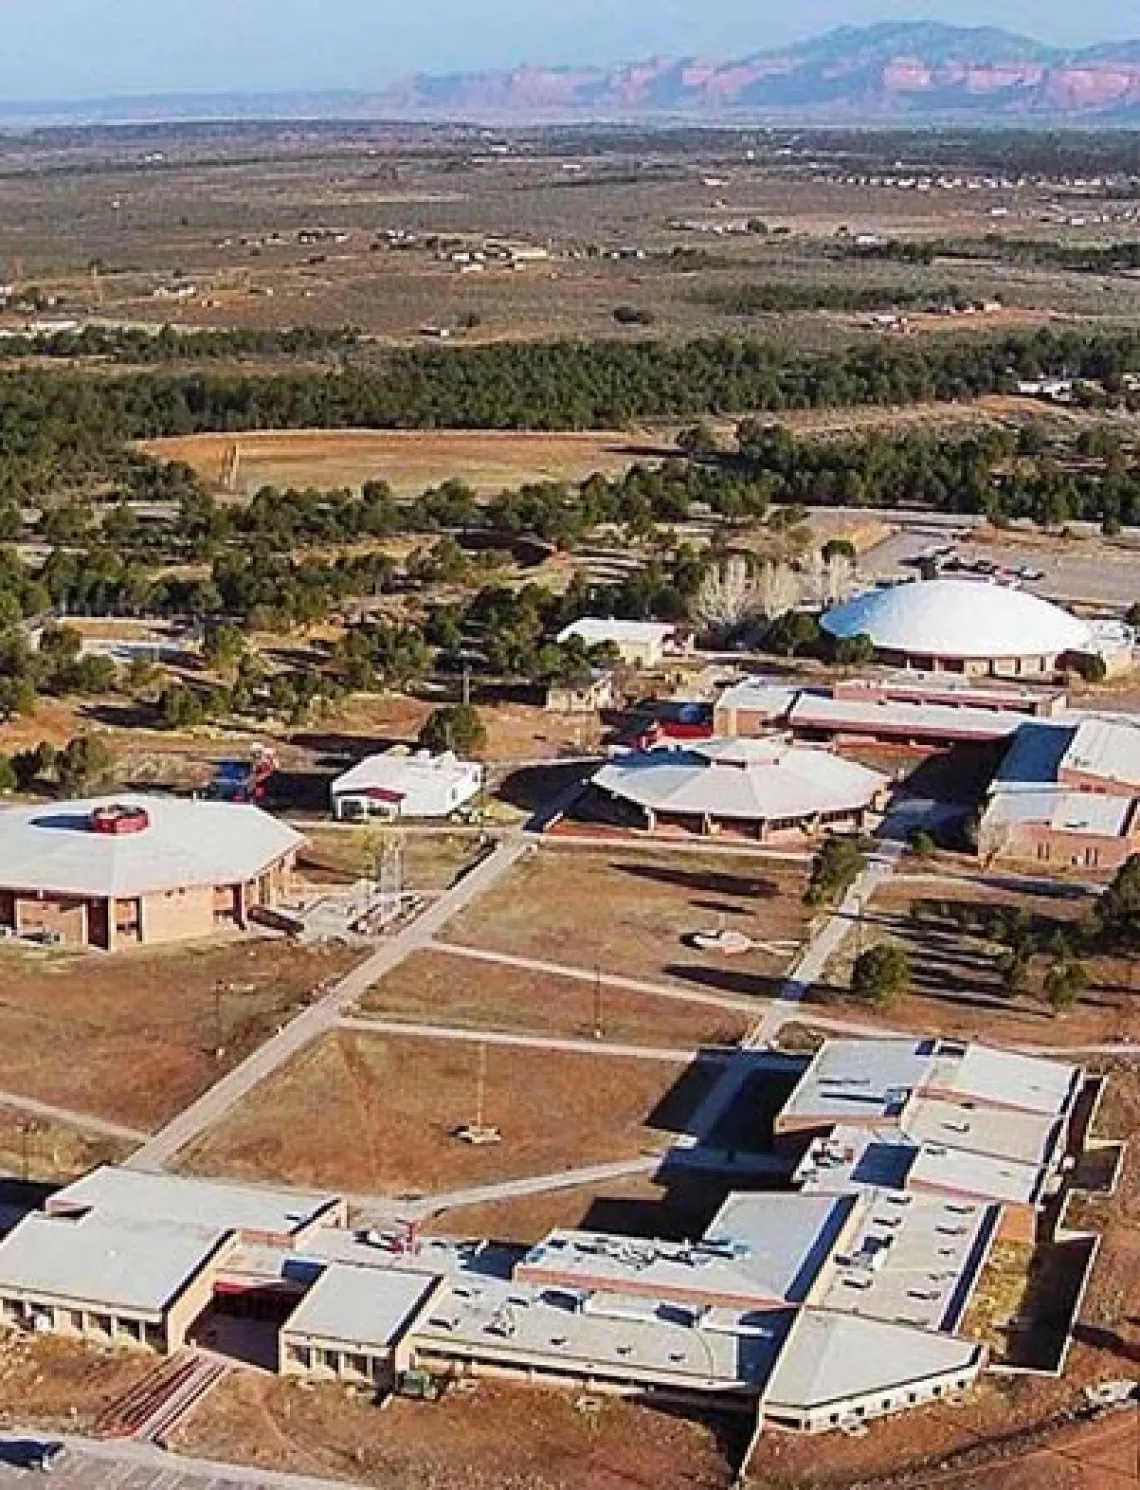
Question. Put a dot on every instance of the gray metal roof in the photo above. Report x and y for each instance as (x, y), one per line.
(911, 1259)
(1007, 1078)
(759, 1249)
(188, 843)
(361, 1306)
(131, 1195)
(834, 1358)
(769, 782)
(1108, 749)
(859, 1079)
(812, 710)
(109, 1263)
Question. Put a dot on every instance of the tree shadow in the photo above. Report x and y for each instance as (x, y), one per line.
(730, 980)
(704, 881)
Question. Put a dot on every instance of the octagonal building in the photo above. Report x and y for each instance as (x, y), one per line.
(113, 872)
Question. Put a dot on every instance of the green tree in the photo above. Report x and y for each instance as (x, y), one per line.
(1116, 918)
(9, 781)
(835, 868)
(923, 845)
(85, 762)
(881, 975)
(1064, 983)
(456, 727)
(223, 648)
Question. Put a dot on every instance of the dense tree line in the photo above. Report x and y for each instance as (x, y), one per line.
(60, 429)
(787, 296)
(170, 344)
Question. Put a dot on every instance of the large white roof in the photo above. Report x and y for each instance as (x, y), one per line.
(596, 631)
(960, 618)
(743, 780)
(51, 847)
(399, 773)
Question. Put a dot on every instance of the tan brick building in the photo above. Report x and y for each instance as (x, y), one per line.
(116, 872)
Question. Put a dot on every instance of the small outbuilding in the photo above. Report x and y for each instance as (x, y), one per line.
(402, 784)
(638, 643)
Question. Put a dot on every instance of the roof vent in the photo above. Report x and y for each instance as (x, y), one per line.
(119, 820)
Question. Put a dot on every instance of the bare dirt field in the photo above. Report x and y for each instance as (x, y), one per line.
(957, 987)
(134, 1037)
(631, 912)
(410, 461)
(370, 1114)
(488, 1437)
(442, 989)
(62, 1384)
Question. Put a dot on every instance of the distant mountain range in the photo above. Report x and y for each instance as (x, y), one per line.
(907, 72)
(894, 71)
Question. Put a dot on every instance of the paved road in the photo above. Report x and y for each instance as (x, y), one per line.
(322, 1017)
(83, 1122)
(467, 1036)
(608, 980)
(92, 1465)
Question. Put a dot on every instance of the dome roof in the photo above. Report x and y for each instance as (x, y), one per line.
(959, 618)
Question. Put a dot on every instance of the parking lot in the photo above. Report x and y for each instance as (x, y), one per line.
(130, 1466)
(1087, 570)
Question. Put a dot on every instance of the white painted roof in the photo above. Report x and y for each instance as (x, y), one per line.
(960, 618)
(134, 1195)
(401, 773)
(970, 1174)
(744, 780)
(363, 1306)
(134, 1265)
(833, 1358)
(51, 847)
(1006, 1078)
(595, 631)
(962, 722)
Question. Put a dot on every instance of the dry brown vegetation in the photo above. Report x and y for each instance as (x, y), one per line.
(62, 1384)
(371, 1114)
(37, 1148)
(408, 460)
(484, 1438)
(631, 912)
(135, 1037)
(442, 989)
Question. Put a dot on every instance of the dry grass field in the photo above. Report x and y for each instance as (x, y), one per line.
(371, 1114)
(50, 1152)
(957, 988)
(632, 911)
(436, 988)
(148, 1025)
(410, 461)
(484, 1437)
(62, 1385)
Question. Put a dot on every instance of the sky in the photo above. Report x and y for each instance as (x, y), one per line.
(76, 49)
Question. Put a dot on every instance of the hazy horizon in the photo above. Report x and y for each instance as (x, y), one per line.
(73, 50)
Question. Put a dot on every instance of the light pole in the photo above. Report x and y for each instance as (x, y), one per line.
(598, 1002)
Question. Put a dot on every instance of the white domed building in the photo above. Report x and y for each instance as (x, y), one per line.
(972, 627)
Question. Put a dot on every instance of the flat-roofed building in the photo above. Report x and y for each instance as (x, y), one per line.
(838, 1370)
(1067, 794)
(354, 1324)
(112, 872)
(110, 1280)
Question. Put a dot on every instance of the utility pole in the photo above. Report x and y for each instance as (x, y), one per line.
(481, 1088)
(598, 1029)
(466, 684)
